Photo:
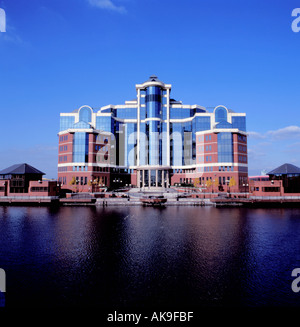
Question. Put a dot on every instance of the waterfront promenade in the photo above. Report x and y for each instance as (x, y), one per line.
(174, 197)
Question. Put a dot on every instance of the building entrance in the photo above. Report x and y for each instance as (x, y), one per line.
(153, 178)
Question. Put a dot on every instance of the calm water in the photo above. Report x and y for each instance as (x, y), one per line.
(139, 257)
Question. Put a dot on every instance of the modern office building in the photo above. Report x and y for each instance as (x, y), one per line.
(153, 141)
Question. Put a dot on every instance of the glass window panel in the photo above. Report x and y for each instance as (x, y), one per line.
(225, 147)
(239, 123)
(66, 122)
(220, 114)
(85, 114)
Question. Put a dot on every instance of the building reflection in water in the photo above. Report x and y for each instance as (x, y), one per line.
(140, 256)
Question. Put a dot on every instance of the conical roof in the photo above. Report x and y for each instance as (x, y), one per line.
(285, 169)
(20, 169)
(153, 78)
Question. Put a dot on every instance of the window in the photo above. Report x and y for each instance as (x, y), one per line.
(153, 97)
(85, 114)
(80, 147)
(105, 123)
(225, 152)
(223, 124)
(39, 189)
(202, 124)
(270, 189)
(63, 158)
(242, 138)
(200, 138)
(239, 123)
(66, 122)
(220, 114)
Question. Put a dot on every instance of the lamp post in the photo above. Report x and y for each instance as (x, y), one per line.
(214, 183)
(228, 187)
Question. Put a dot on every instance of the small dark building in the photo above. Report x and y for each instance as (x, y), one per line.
(19, 177)
(290, 176)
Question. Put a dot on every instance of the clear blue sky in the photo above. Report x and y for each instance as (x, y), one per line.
(57, 55)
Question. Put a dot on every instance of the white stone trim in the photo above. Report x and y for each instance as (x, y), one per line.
(221, 130)
(121, 120)
(138, 126)
(103, 114)
(129, 102)
(168, 127)
(91, 130)
(69, 114)
(152, 83)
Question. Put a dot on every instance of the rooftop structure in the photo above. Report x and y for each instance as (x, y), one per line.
(20, 169)
(285, 169)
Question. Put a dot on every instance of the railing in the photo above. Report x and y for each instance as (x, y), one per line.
(81, 196)
(29, 197)
(275, 197)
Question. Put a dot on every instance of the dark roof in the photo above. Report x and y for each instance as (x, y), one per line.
(153, 78)
(20, 169)
(285, 169)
